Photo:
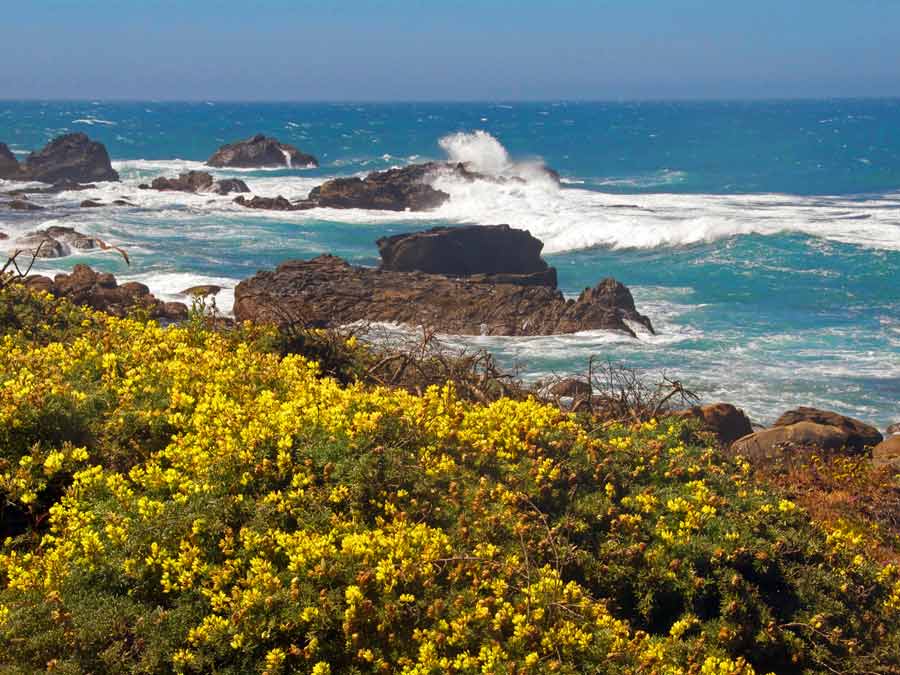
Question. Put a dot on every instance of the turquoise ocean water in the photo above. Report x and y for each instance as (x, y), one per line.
(763, 238)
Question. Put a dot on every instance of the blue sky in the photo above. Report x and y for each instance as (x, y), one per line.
(451, 50)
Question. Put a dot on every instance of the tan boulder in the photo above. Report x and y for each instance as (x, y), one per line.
(887, 453)
(859, 434)
(800, 435)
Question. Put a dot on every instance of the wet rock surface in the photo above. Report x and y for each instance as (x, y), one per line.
(261, 152)
(197, 182)
(328, 291)
(72, 157)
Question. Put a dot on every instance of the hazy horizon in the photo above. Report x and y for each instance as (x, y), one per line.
(462, 51)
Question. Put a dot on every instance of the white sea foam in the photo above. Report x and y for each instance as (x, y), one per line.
(91, 121)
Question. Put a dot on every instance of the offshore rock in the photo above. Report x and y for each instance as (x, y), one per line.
(197, 181)
(405, 189)
(73, 157)
(466, 251)
(56, 242)
(261, 151)
(9, 165)
(328, 291)
(100, 291)
(23, 205)
(278, 203)
(859, 434)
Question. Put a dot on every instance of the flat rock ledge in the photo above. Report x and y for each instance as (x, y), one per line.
(329, 292)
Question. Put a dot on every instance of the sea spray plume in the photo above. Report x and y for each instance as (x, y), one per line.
(479, 149)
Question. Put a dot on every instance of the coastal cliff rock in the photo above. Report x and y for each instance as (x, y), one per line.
(197, 181)
(9, 165)
(260, 152)
(73, 157)
(100, 291)
(469, 250)
(328, 291)
(859, 434)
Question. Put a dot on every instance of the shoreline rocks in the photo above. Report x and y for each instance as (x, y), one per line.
(101, 291)
(328, 292)
(726, 421)
(196, 182)
(261, 152)
(467, 251)
(72, 157)
(859, 434)
(56, 242)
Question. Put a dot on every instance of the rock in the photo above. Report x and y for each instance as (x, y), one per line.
(571, 388)
(85, 286)
(228, 185)
(122, 202)
(893, 430)
(23, 205)
(40, 245)
(73, 157)
(261, 151)
(328, 291)
(91, 204)
(3, 236)
(278, 203)
(197, 181)
(9, 165)
(405, 189)
(859, 434)
(464, 251)
(887, 453)
(201, 291)
(723, 419)
(763, 444)
(56, 188)
(56, 242)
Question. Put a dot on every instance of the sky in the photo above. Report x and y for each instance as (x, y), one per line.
(377, 50)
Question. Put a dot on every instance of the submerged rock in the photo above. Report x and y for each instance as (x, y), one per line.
(100, 291)
(469, 250)
(328, 291)
(859, 434)
(56, 188)
(23, 205)
(197, 181)
(73, 157)
(56, 242)
(261, 152)
(91, 204)
(278, 203)
(723, 419)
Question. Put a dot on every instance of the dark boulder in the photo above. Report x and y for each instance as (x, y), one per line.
(56, 242)
(464, 251)
(406, 189)
(73, 157)
(56, 188)
(859, 434)
(197, 181)
(85, 286)
(573, 388)
(722, 419)
(9, 165)
(91, 204)
(3, 236)
(260, 152)
(278, 203)
(328, 291)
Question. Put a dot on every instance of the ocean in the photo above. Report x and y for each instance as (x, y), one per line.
(761, 238)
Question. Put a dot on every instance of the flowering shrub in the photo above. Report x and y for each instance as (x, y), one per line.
(184, 500)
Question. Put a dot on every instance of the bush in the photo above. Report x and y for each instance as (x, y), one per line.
(196, 501)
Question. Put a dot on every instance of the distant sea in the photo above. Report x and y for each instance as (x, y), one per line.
(762, 238)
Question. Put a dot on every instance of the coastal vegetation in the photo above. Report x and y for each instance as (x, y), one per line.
(195, 498)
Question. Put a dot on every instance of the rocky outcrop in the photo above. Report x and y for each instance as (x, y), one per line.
(887, 453)
(56, 242)
(802, 435)
(197, 181)
(405, 189)
(73, 157)
(722, 419)
(571, 387)
(260, 152)
(278, 203)
(893, 430)
(100, 291)
(328, 291)
(466, 251)
(859, 434)
(9, 165)
(56, 188)
(91, 204)
(3, 236)
(202, 291)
